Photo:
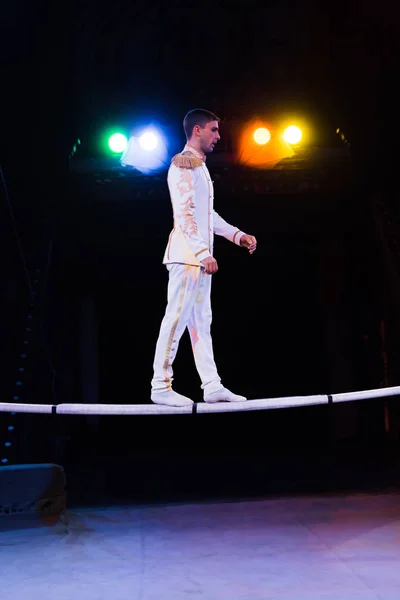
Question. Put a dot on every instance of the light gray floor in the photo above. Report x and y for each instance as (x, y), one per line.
(322, 547)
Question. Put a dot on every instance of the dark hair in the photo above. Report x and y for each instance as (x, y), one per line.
(197, 116)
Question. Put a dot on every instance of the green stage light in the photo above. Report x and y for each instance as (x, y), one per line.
(117, 143)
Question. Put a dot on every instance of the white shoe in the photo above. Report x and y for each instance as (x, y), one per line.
(170, 398)
(223, 395)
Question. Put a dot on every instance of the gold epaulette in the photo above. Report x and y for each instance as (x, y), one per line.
(186, 161)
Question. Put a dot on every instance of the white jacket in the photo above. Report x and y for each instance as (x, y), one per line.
(195, 220)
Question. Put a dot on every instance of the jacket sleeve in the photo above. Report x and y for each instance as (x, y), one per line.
(183, 198)
(221, 227)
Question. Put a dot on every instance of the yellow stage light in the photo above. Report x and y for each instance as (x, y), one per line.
(293, 134)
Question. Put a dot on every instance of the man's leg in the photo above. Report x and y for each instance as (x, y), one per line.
(199, 327)
(182, 287)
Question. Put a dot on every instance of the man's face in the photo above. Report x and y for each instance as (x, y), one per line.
(209, 136)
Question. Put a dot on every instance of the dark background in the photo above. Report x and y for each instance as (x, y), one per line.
(314, 311)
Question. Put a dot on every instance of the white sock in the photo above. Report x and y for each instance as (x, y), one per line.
(170, 398)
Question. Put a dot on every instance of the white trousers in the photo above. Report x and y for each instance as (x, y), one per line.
(189, 305)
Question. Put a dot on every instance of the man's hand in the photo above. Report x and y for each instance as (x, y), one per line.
(249, 242)
(210, 265)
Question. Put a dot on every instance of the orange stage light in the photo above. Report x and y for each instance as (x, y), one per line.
(261, 146)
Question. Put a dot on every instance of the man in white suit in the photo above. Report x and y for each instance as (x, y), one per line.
(190, 262)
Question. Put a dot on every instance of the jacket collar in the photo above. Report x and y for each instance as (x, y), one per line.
(189, 148)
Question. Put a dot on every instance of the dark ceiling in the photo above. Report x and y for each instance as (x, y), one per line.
(69, 68)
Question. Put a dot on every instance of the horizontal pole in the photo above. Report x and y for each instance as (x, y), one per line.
(199, 408)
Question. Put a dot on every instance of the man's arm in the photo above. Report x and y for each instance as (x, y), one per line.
(183, 198)
(231, 233)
